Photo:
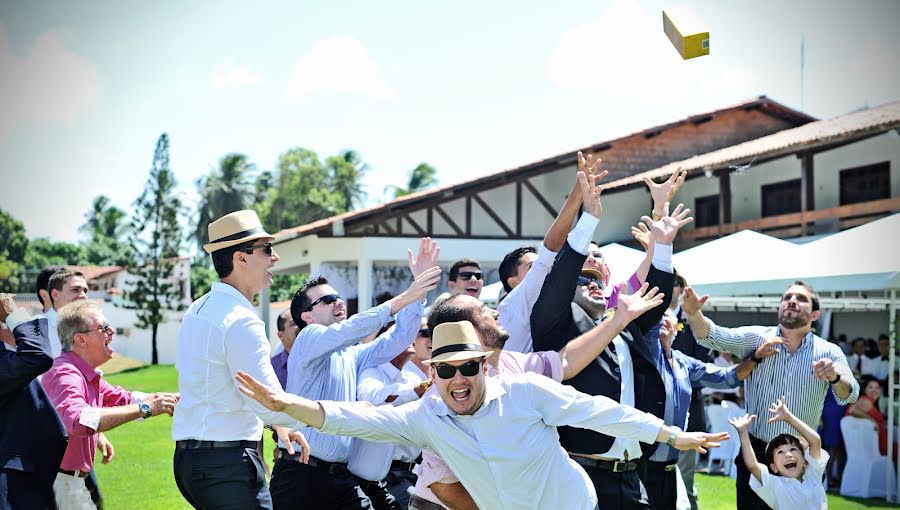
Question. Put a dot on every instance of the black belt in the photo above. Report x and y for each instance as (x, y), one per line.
(616, 466)
(664, 466)
(194, 444)
(76, 473)
(420, 503)
(399, 465)
(332, 467)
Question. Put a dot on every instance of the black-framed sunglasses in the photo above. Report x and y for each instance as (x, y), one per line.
(467, 275)
(468, 369)
(586, 280)
(267, 247)
(328, 299)
(424, 333)
(104, 328)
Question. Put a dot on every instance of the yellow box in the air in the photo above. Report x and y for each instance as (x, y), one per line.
(691, 41)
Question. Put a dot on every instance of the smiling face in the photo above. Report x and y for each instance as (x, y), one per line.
(788, 460)
(463, 395)
(469, 280)
(796, 310)
(590, 298)
(873, 390)
(324, 313)
(93, 344)
(259, 262)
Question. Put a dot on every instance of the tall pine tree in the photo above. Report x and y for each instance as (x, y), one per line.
(156, 239)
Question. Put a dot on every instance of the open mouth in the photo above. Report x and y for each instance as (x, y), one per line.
(460, 394)
(791, 464)
(472, 291)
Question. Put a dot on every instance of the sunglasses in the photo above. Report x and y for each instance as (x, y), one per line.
(266, 247)
(469, 369)
(466, 275)
(104, 328)
(328, 299)
(424, 333)
(586, 280)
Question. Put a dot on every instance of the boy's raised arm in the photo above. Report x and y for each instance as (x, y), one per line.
(742, 425)
(780, 412)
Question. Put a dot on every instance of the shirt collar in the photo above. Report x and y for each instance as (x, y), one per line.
(90, 373)
(806, 342)
(493, 390)
(231, 291)
(390, 370)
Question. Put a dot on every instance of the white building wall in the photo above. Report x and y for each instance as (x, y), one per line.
(827, 166)
(746, 185)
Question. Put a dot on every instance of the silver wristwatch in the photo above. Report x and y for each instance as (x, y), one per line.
(673, 437)
(146, 410)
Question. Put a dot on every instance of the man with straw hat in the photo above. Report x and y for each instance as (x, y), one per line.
(217, 430)
(497, 434)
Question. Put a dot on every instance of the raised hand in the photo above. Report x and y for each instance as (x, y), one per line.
(426, 258)
(590, 191)
(642, 235)
(665, 191)
(768, 348)
(742, 424)
(666, 228)
(632, 306)
(588, 165)
(690, 302)
(699, 441)
(780, 411)
(268, 397)
(424, 283)
(7, 305)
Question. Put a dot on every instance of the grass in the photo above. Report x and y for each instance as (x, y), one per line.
(140, 475)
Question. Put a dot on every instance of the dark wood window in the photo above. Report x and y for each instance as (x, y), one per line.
(865, 183)
(781, 198)
(706, 211)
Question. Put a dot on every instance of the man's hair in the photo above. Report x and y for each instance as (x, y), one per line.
(812, 291)
(300, 302)
(779, 441)
(282, 320)
(223, 260)
(510, 264)
(454, 269)
(43, 278)
(858, 339)
(74, 318)
(883, 336)
(450, 310)
(680, 281)
(58, 280)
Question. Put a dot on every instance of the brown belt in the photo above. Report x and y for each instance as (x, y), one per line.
(420, 503)
(76, 473)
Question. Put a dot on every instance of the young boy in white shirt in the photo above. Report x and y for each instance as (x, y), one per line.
(795, 481)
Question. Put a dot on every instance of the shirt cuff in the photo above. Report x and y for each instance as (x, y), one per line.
(18, 316)
(416, 307)
(139, 396)
(731, 377)
(580, 237)
(405, 393)
(333, 418)
(90, 417)
(546, 255)
(662, 257)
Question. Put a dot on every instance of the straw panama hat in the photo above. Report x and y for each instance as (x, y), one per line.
(455, 341)
(593, 273)
(235, 228)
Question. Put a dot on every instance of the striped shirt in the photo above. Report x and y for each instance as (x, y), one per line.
(785, 374)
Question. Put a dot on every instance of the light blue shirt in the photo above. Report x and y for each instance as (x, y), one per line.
(325, 363)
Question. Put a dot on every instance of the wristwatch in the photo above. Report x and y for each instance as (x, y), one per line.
(146, 411)
(673, 437)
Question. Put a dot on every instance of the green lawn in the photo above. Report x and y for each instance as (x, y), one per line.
(140, 475)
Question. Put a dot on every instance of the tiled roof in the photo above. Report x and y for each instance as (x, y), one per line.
(809, 136)
(94, 272)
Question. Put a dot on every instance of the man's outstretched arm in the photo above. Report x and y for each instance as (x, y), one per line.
(308, 411)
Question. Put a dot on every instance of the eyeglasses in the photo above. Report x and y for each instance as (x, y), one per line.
(104, 328)
(266, 247)
(328, 299)
(469, 369)
(424, 333)
(586, 280)
(466, 275)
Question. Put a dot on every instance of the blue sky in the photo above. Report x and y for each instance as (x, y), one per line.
(469, 87)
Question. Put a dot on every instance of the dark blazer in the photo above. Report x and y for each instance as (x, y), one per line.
(686, 343)
(555, 320)
(32, 437)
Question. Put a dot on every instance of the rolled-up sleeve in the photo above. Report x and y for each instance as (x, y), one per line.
(65, 386)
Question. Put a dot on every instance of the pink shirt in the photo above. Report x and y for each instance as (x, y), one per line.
(433, 469)
(74, 387)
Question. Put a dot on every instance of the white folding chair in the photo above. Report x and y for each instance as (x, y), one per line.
(718, 422)
(864, 471)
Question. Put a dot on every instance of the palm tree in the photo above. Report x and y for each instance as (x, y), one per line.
(104, 220)
(346, 171)
(421, 177)
(226, 189)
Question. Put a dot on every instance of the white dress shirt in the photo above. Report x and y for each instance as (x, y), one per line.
(780, 492)
(515, 309)
(52, 331)
(622, 447)
(221, 334)
(507, 454)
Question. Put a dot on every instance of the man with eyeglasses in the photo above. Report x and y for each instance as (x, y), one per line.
(498, 434)
(465, 276)
(85, 402)
(325, 363)
(217, 430)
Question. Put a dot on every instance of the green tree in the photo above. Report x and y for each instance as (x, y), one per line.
(302, 193)
(285, 285)
(345, 173)
(202, 276)
(226, 189)
(105, 227)
(156, 239)
(13, 247)
(421, 177)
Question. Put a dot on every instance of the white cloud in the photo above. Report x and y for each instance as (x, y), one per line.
(228, 74)
(50, 83)
(339, 64)
(625, 52)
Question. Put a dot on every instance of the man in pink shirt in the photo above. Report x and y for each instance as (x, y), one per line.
(85, 402)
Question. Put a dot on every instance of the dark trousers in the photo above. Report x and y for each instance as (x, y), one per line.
(378, 494)
(661, 485)
(96, 496)
(617, 490)
(301, 486)
(222, 478)
(400, 483)
(746, 498)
